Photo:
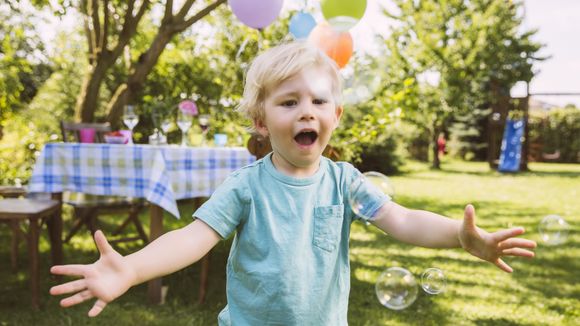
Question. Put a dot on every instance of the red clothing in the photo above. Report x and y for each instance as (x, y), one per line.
(441, 145)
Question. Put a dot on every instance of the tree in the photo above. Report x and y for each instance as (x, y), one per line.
(23, 64)
(471, 45)
(110, 27)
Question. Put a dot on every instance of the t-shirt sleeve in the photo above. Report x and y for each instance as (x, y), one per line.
(226, 208)
(363, 199)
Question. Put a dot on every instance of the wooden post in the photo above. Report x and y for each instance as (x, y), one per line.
(525, 107)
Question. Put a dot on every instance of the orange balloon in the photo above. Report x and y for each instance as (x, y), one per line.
(337, 45)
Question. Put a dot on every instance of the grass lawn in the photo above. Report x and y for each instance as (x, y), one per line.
(542, 291)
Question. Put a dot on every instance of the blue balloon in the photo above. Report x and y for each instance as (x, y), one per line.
(301, 24)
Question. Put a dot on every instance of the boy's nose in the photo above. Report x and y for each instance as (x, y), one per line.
(307, 112)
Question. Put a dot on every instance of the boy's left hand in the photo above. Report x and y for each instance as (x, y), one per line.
(492, 246)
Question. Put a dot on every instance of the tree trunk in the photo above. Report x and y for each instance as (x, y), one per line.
(129, 92)
(87, 100)
(436, 161)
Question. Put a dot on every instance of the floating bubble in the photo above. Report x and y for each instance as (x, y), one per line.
(381, 181)
(365, 191)
(433, 281)
(554, 230)
(396, 288)
(360, 83)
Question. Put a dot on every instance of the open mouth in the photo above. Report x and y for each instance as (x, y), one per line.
(306, 138)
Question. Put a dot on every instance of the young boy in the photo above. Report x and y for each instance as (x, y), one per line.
(289, 262)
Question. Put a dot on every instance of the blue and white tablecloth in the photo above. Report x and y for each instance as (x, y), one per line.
(161, 174)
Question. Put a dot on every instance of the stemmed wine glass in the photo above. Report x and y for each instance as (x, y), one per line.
(204, 125)
(184, 123)
(165, 125)
(130, 119)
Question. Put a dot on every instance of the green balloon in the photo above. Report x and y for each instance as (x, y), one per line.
(343, 8)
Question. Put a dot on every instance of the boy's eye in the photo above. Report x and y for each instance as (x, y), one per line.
(319, 101)
(289, 103)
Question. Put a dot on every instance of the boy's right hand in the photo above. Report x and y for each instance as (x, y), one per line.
(106, 279)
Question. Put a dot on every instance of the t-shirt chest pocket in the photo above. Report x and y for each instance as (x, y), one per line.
(327, 226)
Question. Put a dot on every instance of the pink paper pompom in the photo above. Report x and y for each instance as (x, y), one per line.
(188, 107)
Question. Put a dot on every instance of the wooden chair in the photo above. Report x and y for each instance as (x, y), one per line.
(87, 208)
(14, 211)
(71, 131)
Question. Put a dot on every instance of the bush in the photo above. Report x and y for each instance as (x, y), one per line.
(384, 156)
(558, 131)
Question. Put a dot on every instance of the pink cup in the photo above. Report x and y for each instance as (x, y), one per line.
(87, 135)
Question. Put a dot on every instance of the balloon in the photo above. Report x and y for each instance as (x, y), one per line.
(337, 45)
(301, 24)
(256, 13)
(343, 14)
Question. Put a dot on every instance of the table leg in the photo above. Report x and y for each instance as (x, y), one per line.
(203, 278)
(33, 235)
(204, 263)
(156, 230)
(54, 225)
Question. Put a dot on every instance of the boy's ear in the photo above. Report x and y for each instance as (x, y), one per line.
(261, 127)
(339, 111)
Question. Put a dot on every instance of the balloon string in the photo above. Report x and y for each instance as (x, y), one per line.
(242, 47)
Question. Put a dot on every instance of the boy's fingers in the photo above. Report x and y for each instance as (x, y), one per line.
(97, 308)
(76, 299)
(469, 217)
(517, 242)
(518, 252)
(508, 233)
(70, 270)
(73, 286)
(102, 244)
(503, 266)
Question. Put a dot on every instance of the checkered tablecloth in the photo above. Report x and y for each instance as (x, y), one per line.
(161, 174)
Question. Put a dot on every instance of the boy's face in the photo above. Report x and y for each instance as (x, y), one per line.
(300, 115)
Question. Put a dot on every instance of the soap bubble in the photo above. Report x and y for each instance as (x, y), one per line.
(433, 281)
(364, 192)
(554, 230)
(396, 288)
(381, 181)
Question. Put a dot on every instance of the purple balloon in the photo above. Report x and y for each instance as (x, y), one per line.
(256, 13)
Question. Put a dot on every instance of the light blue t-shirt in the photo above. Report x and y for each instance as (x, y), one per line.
(289, 262)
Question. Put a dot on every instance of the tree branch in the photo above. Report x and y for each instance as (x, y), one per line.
(184, 10)
(168, 9)
(202, 13)
(105, 29)
(95, 23)
(129, 27)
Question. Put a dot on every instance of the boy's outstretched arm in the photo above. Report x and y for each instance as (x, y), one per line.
(426, 229)
(112, 275)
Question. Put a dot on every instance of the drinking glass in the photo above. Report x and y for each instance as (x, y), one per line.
(184, 123)
(204, 125)
(130, 119)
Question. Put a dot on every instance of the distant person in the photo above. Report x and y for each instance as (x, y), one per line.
(288, 264)
(441, 145)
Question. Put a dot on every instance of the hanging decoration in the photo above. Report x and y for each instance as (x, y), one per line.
(256, 13)
(301, 24)
(337, 45)
(343, 14)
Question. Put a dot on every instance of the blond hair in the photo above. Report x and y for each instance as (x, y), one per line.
(278, 64)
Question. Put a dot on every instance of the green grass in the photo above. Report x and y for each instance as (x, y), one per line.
(542, 291)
